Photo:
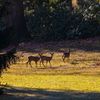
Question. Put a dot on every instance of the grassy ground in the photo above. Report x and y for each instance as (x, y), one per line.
(81, 73)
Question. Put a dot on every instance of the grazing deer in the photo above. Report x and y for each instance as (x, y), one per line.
(33, 58)
(46, 58)
(66, 55)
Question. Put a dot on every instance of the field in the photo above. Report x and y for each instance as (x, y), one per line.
(78, 78)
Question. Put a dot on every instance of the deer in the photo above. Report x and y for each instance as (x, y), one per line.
(46, 59)
(66, 55)
(33, 58)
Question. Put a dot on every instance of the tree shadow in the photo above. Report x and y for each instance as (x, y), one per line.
(16, 93)
(89, 45)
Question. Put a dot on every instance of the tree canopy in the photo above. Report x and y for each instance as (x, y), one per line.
(48, 20)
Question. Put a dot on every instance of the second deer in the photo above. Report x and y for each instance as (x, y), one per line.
(66, 55)
(46, 59)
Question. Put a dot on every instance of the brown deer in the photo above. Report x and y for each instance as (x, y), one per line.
(46, 59)
(33, 58)
(66, 55)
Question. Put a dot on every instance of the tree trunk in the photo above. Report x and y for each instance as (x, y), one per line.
(17, 21)
(20, 27)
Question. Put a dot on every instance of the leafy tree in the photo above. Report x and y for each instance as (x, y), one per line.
(89, 24)
(49, 20)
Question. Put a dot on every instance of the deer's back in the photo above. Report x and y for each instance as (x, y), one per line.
(34, 58)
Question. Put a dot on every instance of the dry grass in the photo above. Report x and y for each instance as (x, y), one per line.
(81, 72)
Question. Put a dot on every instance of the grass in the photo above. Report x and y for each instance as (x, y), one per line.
(80, 73)
(57, 82)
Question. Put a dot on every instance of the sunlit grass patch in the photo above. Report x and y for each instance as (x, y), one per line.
(60, 82)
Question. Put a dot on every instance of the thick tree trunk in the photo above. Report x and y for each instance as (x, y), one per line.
(19, 23)
(16, 20)
(15, 24)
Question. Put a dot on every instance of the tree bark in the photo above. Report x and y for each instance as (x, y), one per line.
(16, 20)
(20, 27)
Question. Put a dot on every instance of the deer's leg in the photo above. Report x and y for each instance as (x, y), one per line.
(43, 63)
(64, 59)
(40, 63)
(30, 64)
(27, 64)
(36, 63)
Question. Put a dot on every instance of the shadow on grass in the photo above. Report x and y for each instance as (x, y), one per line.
(16, 93)
(90, 45)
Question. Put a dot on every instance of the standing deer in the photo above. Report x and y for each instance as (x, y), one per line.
(33, 58)
(66, 55)
(46, 59)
